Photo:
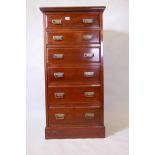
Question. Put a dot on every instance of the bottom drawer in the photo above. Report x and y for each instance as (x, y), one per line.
(73, 116)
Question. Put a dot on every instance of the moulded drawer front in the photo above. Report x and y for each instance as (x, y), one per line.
(79, 74)
(68, 37)
(74, 116)
(73, 55)
(73, 20)
(72, 95)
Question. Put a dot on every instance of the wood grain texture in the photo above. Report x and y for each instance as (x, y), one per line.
(74, 95)
(73, 55)
(73, 38)
(74, 102)
(75, 74)
(73, 20)
(74, 116)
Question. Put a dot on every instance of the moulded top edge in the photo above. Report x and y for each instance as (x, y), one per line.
(70, 9)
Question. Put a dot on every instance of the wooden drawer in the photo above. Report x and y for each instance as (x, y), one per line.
(68, 37)
(73, 20)
(74, 116)
(73, 55)
(73, 74)
(73, 95)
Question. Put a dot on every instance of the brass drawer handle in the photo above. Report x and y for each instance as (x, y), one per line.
(58, 38)
(59, 95)
(89, 115)
(59, 75)
(87, 37)
(88, 74)
(58, 56)
(89, 94)
(88, 21)
(88, 55)
(57, 21)
(59, 116)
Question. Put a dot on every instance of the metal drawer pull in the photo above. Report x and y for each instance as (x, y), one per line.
(57, 38)
(88, 74)
(89, 94)
(58, 56)
(87, 37)
(89, 115)
(59, 116)
(59, 75)
(59, 95)
(88, 55)
(57, 21)
(88, 21)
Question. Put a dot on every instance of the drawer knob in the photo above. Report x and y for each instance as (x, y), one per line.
(88, 55)
(88, 74)
(59, 95)
(59, 116)
(89, 94)
(58, 38)
(89, 115)
(88, 21)
(87, 37)
(58, 56)
(59, 75)
(57, 21)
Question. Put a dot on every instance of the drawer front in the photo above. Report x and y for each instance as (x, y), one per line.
(73, 55)
(73, 94)
(68, 37)
(73, 116)
(77, 74)
(73, 20)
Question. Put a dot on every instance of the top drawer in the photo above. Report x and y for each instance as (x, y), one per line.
(73, 20)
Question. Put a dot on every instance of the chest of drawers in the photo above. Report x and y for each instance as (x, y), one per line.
(74, 85)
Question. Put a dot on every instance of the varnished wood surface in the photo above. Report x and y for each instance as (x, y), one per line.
(73, 38)
(74, 74)
(72, 9)
(73, 20)
(74, 95)
(74, 105)
(73, 55)
(74, 116)
(63, 131)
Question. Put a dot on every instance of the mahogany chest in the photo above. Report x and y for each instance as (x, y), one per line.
(74, 85)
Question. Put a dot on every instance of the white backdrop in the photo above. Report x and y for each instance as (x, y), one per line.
(116, 71)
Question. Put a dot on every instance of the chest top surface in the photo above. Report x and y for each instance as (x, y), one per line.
(72, 9)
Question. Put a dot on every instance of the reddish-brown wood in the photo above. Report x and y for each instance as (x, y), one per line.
(74, 74)
(74, 102)
(74, 95)
(73, 38)
(75, 20)
(72, 9)
(71, 131)
(75, 116)
(73, 55)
